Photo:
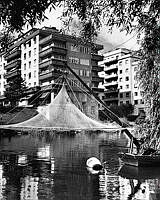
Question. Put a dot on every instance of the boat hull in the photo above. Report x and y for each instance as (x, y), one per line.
(140, 160)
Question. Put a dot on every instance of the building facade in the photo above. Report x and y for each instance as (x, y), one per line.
(40, 55)
(120, 81)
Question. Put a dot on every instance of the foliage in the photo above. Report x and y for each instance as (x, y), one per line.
(5, 39)
(16, 90)
(122, 110)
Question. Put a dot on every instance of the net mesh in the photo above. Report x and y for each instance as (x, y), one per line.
(62, 114)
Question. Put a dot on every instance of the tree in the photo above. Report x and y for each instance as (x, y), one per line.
(143, 17)
(16, 90)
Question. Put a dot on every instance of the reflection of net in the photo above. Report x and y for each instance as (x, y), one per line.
(62, 114)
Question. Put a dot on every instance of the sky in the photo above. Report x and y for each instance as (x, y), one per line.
(110, 41)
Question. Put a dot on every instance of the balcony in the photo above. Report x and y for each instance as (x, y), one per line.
(48, 75)
(97, 57)
(12, 64)
(45, 40)
(12, 74)
(13, 54)
(52, 49)
(111, 67)
(111, 62)
(111, 83)
(97, 68)
(111, 76)
(52, 61)
(111, 91)
(97, 79)
(107, 99)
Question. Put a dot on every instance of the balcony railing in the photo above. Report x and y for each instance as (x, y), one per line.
(111, 67)
(97, 68)
(48, 75)
(111, 76)
(12, 64)
(12, 74)
(97, 79)
(97, 57)
(111, 91)
(45, 40)
(111, 83)
(110, 99)
(52, 61)
(13, 54)
(52, 49)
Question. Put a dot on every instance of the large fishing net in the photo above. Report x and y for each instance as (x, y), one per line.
(61, 114)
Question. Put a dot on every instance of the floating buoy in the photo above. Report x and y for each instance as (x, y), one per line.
(94, 164)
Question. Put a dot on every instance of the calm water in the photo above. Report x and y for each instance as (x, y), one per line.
(53, 168)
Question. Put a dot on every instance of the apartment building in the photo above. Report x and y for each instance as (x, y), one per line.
(40, 55)
(120, 82)
(2, 79)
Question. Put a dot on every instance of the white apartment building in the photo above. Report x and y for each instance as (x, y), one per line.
(30, 61)
(2, 72)
(120, 82)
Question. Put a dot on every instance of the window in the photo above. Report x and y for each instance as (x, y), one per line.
(135, 85)
(120, 63)
(84, 49)
(29, 64)
(142, 101)
(24, 56)
(127, 78)
(29, 75)
(25, 66)
(34, 51)
(135, 102)
(120, 80)
(29, 54)
(34, 74)
(127, 86)
(126, 62)
(136, 93)
(127, 94)
(121, 87)
(87, 73)
(117, 57)
(24, 76)
(136, 68)
(34, 39)
(35, 61)
(127, 102)
(24, 45)
(34, 83)
(74, 48)
(120, 71)
(127, 70)
(121, 102)
(121, 95)
(81, 72)
(29, 43)
(74, 60)
(84, 61)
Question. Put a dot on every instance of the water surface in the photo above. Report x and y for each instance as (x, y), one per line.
(54, 168)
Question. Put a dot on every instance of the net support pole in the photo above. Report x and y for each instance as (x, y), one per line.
(112, 115)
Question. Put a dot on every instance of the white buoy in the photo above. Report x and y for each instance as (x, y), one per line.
(94, 164)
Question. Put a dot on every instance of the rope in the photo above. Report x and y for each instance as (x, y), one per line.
(34, 100)
(74, 94)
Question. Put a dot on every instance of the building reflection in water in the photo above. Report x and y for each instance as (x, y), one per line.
(2, 182)
(57, 171)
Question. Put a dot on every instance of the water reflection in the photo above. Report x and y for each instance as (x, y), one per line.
(38, 168)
